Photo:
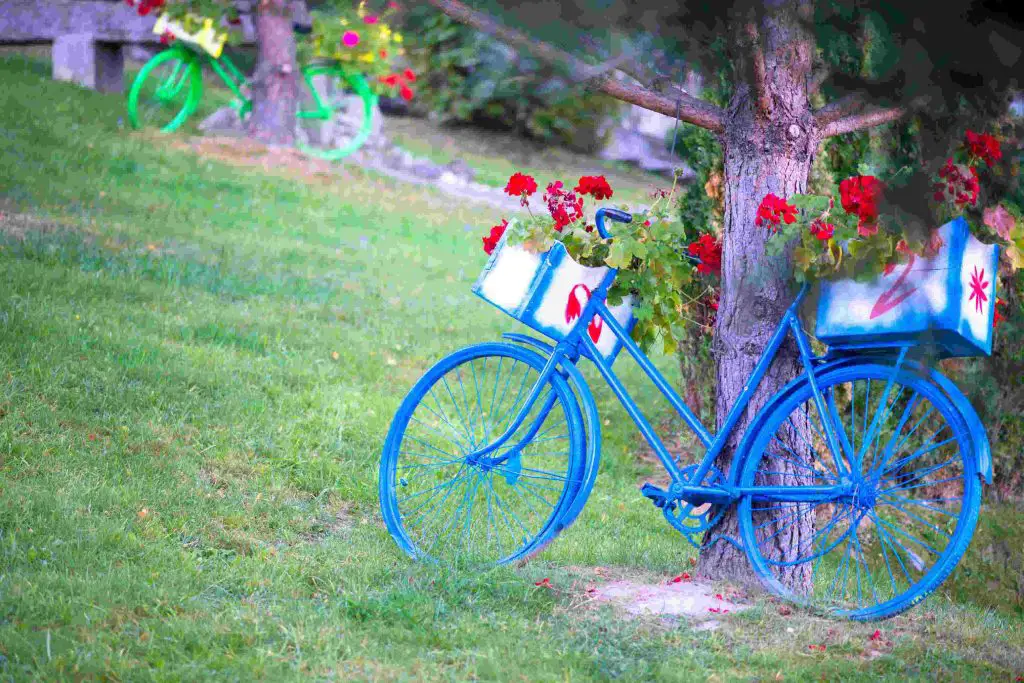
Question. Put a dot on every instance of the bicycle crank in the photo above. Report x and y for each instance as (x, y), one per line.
(690, 520)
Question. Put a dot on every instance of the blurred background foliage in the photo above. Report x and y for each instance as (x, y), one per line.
(469, 77)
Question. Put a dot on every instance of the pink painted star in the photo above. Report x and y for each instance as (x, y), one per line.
(978, 286)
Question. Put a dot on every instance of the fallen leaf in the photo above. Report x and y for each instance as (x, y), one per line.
(876, 635)
(785, 610)
(681, 577)
(544, 583)
(143, 513)
(816, 648)
(335, 355)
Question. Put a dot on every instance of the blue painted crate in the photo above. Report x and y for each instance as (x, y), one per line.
(946, 301)
(547, 291)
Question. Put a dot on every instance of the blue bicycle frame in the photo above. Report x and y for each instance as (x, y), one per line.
(690, 489)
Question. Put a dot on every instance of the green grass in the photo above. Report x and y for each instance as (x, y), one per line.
(198, 363)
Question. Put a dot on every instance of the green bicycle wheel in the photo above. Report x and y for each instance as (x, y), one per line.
(335, 114)
(166, 91)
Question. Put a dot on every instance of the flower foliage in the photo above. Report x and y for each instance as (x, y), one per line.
(856, 239)
(653, 254)
(360, 39)
(193, 16)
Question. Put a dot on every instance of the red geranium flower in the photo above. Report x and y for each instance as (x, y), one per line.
(859, 195)
(406, 93)
(521, 185)
(774, 210)
(491, 241)
(998, 317)
(865, 229)
(711, 301)
(594, 185)
(409, 75)
(709, 251)
(166, 38)
(983, 147)
(564, 207)
(822, 230)
(958, 183)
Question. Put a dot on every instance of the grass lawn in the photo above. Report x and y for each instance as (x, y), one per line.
(198, 363)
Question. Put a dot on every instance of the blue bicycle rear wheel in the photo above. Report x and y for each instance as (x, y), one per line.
(437, 504)
(912, 502)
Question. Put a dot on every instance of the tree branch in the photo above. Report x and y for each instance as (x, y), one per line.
(837, 109)
(867, 119)
(691, 109)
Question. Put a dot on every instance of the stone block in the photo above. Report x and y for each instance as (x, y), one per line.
(82, 59)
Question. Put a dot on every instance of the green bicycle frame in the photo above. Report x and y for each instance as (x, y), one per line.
(191, 60)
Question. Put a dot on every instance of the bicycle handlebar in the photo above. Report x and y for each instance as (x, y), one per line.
(616, 215)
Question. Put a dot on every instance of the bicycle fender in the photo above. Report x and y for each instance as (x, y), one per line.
(591, 418)
(980, 445)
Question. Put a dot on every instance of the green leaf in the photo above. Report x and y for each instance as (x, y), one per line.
(670, 346)
(811, 204)
(618, 255)
(803, 258)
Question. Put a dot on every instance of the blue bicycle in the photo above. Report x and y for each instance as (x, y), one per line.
(858, 485)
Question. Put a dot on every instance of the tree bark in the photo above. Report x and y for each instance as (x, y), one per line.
(275, 83)
(769, 144)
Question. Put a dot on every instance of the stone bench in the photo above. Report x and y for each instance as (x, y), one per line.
(88, 37)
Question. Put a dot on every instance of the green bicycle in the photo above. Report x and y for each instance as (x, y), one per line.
(335, 111)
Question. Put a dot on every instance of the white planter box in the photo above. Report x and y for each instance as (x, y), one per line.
(946, 301)
(547, 291)
(207, 38)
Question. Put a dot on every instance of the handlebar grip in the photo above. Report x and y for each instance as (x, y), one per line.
(615, 214)
(302, 29)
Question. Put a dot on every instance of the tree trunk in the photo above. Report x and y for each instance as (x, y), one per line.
(275, 83)
(769, 144)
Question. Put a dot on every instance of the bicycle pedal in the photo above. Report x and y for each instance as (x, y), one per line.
(660, 497)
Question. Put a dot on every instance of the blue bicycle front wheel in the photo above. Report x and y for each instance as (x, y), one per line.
(910, 503)
(439, 504)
